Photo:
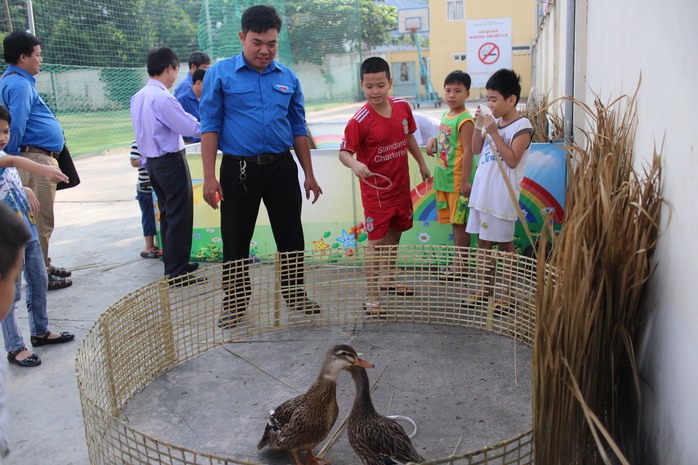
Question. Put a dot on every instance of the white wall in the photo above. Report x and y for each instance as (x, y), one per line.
(617, 42)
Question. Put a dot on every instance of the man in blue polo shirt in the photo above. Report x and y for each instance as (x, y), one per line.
(197, 60)
(190, 100)
(35, 133)
(252, 110)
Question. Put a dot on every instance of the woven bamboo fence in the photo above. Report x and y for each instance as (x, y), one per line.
(157, 327)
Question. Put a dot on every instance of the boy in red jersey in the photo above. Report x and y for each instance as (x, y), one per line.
(379, 135)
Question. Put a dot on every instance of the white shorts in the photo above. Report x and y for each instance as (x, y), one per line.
(490, 228)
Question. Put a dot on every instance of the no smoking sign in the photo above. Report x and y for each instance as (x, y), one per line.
(488, 53)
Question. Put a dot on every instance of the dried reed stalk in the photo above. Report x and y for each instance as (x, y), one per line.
(546, 119)
(590, 301)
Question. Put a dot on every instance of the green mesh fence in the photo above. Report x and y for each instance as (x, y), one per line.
(94, 51)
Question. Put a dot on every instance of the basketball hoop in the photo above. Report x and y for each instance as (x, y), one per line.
(412, 20)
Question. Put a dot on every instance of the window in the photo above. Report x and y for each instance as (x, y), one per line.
(454, 10)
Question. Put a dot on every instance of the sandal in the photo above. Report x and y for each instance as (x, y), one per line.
(398, 289)
(447, 274)
(150, 254)
(475, 299)
(374, 309)
(54, 282)
(502, 307)
(27, 362)
(60, 272)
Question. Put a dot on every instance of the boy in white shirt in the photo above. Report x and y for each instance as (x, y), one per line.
(493, 214)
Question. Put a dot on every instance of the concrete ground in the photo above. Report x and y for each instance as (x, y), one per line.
(98, 236)
(464, 389)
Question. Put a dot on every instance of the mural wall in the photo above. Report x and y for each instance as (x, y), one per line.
(335, 223)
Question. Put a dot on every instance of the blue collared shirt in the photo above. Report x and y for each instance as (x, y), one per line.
(33, 122)
(159, 121)
(191, 105)
(252, 112)
(184, 86)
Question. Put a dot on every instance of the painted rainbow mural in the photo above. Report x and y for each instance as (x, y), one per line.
(535, 202)
(327, 135)
(424, 206)
(542, 195)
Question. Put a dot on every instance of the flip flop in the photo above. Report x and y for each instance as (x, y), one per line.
(502, 307)
(474, 299)
(398, 289)
(374, 309)
(150, 254)
(449, 275)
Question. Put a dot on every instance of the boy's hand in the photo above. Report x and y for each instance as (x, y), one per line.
(53, 174)
(490, 125)
(465, 188)
(424, 172)
(360, 170)
(33, 201)
(431, 146)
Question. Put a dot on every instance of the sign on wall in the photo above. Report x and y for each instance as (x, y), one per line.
(488, 43)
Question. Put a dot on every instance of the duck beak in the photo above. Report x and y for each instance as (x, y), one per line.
(360, 362)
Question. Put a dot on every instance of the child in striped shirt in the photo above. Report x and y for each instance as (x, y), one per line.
(144, 195)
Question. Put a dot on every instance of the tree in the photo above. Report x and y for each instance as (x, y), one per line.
(112, 33)
(324, 27)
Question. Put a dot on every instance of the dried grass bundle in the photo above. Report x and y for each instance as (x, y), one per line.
(590, 309)
(546, 119)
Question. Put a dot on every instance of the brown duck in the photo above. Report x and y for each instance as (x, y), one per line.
(301, 423)
(376, 439)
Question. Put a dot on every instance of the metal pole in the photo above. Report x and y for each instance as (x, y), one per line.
(569, 70)
(208, 30)
(360, 32)
(30, 17)
(7, 15)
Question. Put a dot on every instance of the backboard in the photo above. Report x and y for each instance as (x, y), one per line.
(412, 20)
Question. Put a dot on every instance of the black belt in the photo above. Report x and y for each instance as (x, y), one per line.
(33, 149)
(173, 154)
(263, 159)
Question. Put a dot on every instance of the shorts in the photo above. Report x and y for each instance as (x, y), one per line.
(490, 228)
(379, 220)
(446, 206)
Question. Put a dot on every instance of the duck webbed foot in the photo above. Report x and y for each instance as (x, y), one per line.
(310, 459)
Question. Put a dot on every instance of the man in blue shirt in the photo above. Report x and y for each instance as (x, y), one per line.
(35, 133)
(190, 100)
(197, 60)
(252, 110)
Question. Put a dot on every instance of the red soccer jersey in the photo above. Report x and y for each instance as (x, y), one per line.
(381, 144)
